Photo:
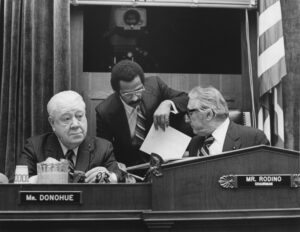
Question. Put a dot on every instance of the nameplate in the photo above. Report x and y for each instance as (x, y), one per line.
(50, 197)
(258, 181)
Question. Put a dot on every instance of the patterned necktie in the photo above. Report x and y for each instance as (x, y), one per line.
(140, 130)
(69, 156)
(204, 151)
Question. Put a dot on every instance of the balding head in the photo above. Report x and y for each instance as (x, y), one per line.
(62, 99)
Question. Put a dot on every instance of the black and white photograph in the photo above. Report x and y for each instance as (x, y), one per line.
(150, 115)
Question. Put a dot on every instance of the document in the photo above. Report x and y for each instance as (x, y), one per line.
(169, 144)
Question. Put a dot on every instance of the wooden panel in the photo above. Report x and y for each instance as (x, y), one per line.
(194, 185)
(94, 197)
(72, 225)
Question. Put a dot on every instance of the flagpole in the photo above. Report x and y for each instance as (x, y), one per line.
(250, 69)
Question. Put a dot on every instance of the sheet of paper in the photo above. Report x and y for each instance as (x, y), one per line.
(169, 144)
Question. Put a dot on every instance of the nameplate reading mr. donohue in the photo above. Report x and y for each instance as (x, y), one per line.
(50, 197)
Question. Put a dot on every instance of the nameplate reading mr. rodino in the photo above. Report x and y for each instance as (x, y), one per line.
(50, 197)
(262, 180)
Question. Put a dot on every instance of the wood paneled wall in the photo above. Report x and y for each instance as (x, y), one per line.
(97, 88)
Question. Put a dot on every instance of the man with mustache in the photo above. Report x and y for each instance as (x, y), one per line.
(92, 156)
(126, 116)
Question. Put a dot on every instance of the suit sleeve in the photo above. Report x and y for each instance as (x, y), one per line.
(28, 158)
(179, 98)
(261, 138)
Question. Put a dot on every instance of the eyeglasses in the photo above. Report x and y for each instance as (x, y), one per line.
(190, 112)
(131, 94)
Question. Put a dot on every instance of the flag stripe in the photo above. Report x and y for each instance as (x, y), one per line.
(264, 4)
(271, 68)
(272, 76)
(260, 117)
(271, 56)
(269, 17)
(278, 114)
(270, 37)
(264, 122)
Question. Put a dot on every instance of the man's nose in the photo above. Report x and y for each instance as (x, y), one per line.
(135, 97)
(187, 118)
(75, 122)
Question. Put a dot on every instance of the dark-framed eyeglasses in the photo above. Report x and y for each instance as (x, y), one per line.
(130, 94)
(191, 111)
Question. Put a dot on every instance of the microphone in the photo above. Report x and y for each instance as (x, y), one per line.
(3, 179)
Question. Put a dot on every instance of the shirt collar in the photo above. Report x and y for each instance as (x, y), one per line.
(65, 149)
(220, 133)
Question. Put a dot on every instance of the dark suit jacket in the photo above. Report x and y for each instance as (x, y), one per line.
(237, 137)
(92, 152)
(112, 121)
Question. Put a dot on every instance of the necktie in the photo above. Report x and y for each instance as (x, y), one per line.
(69, 156)
(204, 151)
(140, 130)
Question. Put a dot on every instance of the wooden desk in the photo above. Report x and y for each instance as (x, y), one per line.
(188, 197)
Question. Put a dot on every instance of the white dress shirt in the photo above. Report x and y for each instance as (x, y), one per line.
(219, 135)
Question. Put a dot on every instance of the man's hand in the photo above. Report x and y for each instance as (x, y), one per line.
(98, 175)
(90, 176)
(161, 115)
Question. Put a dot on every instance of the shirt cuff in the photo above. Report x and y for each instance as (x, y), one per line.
(173, 107)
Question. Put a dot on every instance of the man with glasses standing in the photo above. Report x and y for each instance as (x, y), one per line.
(208, 116)
(126, 116)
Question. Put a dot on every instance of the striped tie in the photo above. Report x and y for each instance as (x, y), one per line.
(204, 151)
(69, 156)
(140, 130)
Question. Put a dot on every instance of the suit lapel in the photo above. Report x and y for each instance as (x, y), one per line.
(85, 155)
(120, 119)
(150, 102)
(53, 148)
(232, 139)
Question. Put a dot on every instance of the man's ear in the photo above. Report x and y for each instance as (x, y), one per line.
(51, 121)
(210, 114)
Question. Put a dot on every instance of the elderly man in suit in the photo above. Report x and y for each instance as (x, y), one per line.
(126, 116)
(208, 116)
(93, 156)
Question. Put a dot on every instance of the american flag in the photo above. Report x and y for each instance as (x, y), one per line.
(271, 69)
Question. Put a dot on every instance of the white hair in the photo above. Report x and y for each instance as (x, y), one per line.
(210, 98)
(68, 97)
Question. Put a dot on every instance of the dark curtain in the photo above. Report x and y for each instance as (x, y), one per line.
(35, 64)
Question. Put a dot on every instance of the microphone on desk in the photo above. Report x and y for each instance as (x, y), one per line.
(154, 166)
(3, 179)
